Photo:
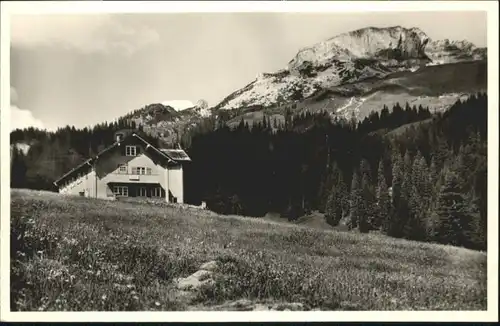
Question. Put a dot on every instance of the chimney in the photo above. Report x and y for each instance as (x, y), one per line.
(119, 135)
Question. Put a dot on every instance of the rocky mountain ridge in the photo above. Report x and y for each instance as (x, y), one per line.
(348, 58)
(350, 74)
(165, 122)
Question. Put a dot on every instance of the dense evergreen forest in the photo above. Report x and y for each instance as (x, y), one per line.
(401, 171)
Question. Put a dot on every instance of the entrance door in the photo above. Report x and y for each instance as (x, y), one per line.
(141, 192)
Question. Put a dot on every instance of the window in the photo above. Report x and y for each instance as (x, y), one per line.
(82, 193)
(148, 171)
(139, 170)
(130, 150)
(122, 168)
(156, 192)
(142, 192)
(120, 191)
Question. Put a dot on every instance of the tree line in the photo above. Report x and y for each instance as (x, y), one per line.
(51, 154)
(401, 171)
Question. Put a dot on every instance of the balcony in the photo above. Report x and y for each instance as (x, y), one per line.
(134, 178)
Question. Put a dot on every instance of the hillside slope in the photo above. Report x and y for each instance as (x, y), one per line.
(436, 87)
(86, 254)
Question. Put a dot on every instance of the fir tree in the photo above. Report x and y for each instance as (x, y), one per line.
(330, 208)
(355, 201)
(454, 215)
(433, 181)
(342, 199)
(407, 175)
(396, 221)
(366, 198)
(326, 187)
(478, 234)
(18, 169)
(335, 204)
(417, 200)
(383, 199)
(415, 228)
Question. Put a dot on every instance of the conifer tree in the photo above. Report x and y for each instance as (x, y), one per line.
(415, 227)
(441, 153)
(366, 198)
(479, 234)
(330, 208)
(355, 201)
(342, 199)
(325, 188)
(417, 200)
(454, 216)
(336, 200)
(397, 201)
(382, 199)
(404, 213)
(407, 175)
(433, 180)
(423, 184)
(18, 169)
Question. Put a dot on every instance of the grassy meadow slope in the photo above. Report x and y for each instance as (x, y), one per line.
(86, 254)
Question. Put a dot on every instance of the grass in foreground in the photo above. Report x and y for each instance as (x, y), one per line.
(81, 254)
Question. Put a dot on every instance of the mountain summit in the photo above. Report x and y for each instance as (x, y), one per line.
(348, 58)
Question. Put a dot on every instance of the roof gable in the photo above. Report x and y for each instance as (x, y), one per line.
(162, 153)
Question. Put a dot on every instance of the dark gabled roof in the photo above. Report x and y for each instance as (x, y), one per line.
(93, 159)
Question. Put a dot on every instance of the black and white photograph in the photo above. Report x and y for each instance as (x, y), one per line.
(277, 162)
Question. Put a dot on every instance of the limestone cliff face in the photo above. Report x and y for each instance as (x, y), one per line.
(387, 45)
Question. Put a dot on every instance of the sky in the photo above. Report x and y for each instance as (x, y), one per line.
(81, 70)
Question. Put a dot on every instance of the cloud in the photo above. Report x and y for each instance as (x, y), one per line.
(20, 118)
(179, 105)
(99, 33)
(13, 96)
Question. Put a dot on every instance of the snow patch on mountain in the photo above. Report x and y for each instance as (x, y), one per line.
(348, 104)
(268, 89)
